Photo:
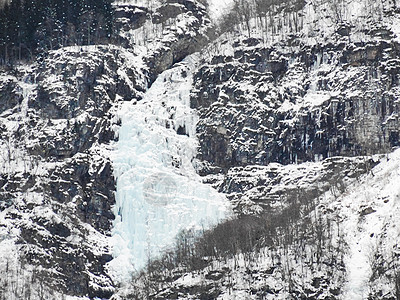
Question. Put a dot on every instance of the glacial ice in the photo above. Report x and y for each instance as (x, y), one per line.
(158, 191)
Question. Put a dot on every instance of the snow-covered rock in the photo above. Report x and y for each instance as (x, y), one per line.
(58, 125)
(111, 155)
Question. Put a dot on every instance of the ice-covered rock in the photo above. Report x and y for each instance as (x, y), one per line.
(159, 193)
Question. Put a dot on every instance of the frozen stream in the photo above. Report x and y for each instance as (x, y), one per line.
(158, 190)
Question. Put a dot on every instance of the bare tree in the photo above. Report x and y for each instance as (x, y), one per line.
(244, 11)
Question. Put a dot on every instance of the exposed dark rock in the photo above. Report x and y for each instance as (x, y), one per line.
(131, 16)
(185, 43)
(344, 29)
(264, 132)
(9, 98)
(57, 185)
(367, 211)
(168, 11)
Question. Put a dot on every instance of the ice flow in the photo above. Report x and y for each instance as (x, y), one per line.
(158, 191)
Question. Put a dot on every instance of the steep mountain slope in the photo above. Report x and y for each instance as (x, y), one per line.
(291, 114)
(342, 245)
(284, 116)
(58, 121)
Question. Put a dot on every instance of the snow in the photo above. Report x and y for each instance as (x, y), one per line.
(20, 276)
(219, 7)
(143, 3)
(158, 191)
(370, 209)
(27, 90)
(395, 27)
(363, 232)
(313, 99)
(12, 158)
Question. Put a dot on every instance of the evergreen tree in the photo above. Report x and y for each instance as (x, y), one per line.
(29, 27)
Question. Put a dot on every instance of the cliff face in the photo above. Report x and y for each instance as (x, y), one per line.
(291, 104)
(293, 124)
(58, 123)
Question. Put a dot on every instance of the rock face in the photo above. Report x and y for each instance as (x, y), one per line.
(289, 122)
(293, 125)
(57, 180)
(57, 126)
(269, 104)
(254, 189)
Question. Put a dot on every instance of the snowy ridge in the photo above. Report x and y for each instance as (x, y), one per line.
(158, 191)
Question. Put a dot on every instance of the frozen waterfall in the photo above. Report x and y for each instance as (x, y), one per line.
(158, 190)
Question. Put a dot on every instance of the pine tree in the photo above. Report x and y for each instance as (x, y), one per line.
(29, 27)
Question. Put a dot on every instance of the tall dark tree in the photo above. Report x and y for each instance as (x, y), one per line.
(29, 27)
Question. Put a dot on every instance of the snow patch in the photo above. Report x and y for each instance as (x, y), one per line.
(371, 211)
